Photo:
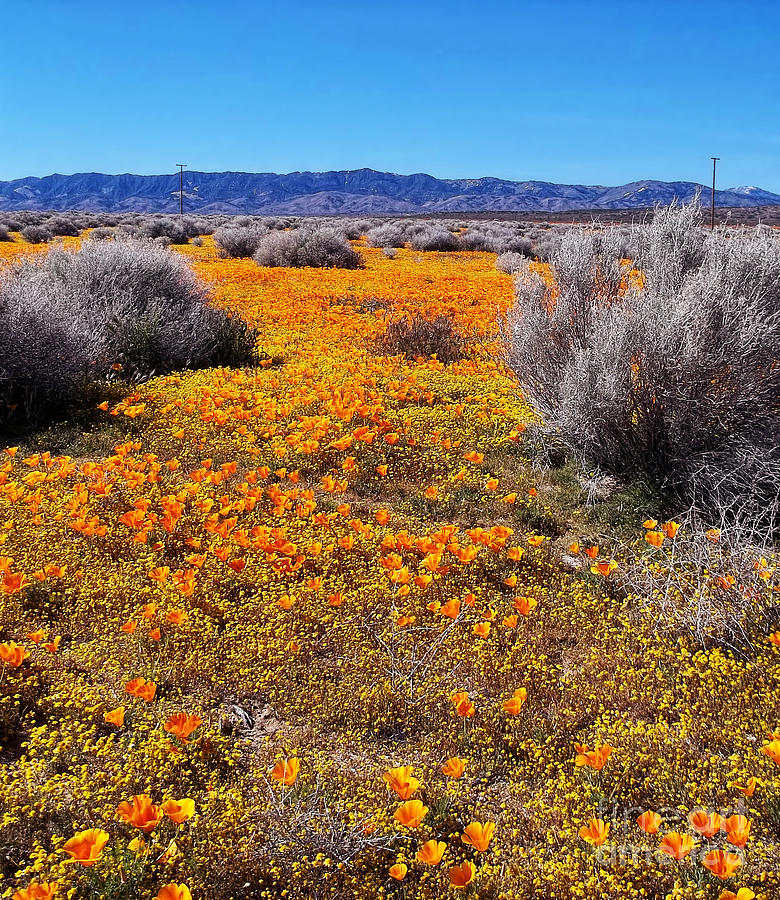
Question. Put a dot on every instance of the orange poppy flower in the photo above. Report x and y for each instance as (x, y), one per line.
(176, 616)
(737, 830)
(159, 574)
(454, 767)
(478, 835)
(649, 822)
(591, 552)
(179, 811)
(174, 891)
(670, 529)
(462, 875)
(747, 790)
(524, 605)
(722, 863)
(37, 890)
(36, 636)
(451, 609)
(742, 894)
(704, 823)
(86, 846)
(13, 582)
(595, 758)
(286, 771)
(140, 687)
(181, 725)
(140, 812)
(402, 781)
(482, 629)
(515, 703)
(604, 568)
(676, 845)
(115, 716)
(463, 706)
(655, 538)
(772, 750)
(411, 813)
(431, 852)
(13, 655)
(398, 871)
(595, 832)
(129, 626)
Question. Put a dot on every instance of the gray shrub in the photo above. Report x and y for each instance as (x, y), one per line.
(36, 234)
(676, 381)
(73, 317)
(434, 239)
(239, 241)
(64, 226)
(319, 248)
(391, 234)
(510, 262)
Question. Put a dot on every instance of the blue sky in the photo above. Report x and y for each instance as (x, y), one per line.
(580, 92)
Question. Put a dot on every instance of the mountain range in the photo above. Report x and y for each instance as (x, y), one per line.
(353, 192)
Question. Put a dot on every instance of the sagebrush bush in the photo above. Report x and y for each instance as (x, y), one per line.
(478, 240)
(101, 234)
(176, 231)
(317, 248)
(434, 239)
(239, 241)
(126, 306)
(4, 235)
(36, 234)
(62, 226)
(391, 234)
(510, 262)
(676, 380)
(418, 337)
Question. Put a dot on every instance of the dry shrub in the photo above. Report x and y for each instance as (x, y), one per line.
(73, 317)
(715, 585)
(676, 381)
(434, 239)
(417, 337)
(36, 234)
(321, 248)
(239, 242)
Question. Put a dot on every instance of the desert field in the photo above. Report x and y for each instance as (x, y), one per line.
(345, 621)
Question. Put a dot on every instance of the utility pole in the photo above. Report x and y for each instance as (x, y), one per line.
(182, 167)
(712, 205)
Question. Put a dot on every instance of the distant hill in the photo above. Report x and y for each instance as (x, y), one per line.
(355, 192)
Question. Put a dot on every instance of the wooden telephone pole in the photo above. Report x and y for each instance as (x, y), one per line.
(712, 205)
(182, 167)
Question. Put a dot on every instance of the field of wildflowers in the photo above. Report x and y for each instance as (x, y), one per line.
(323, 629)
